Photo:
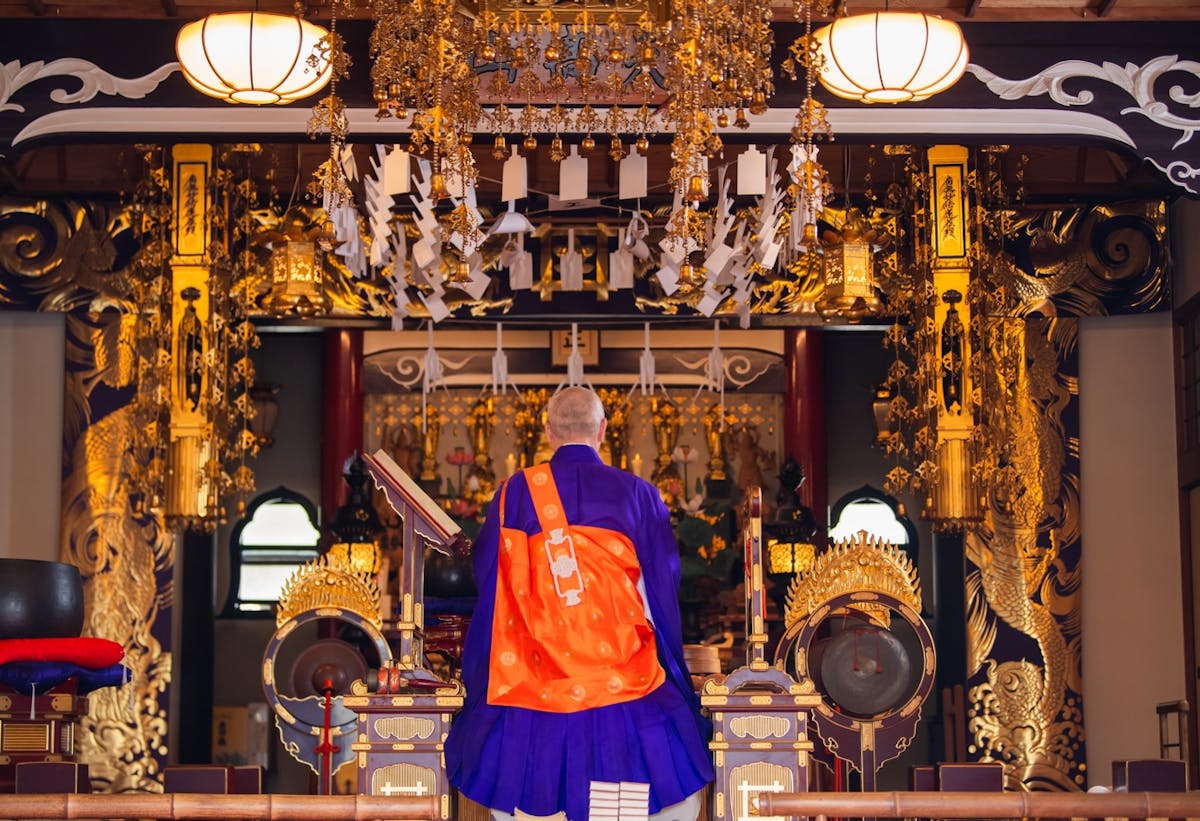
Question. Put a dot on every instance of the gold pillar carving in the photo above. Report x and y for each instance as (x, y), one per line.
(190, 493)
(953, 499)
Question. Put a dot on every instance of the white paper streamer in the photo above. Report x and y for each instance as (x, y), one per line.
(572, 177)
(575, 375)
(520, 266)
(647, 379)
(431, 378)
(714, 371)
(570, 266)
(514, 176)
(620, 264)
(500, 379)
(752, 172)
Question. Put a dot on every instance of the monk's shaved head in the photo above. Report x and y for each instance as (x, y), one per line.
(574, 415)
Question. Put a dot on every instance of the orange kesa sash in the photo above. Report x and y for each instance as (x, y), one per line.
(570, 630)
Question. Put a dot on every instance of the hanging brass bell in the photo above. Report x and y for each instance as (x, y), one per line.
(437, 187)
(462, 272)
(615, 150)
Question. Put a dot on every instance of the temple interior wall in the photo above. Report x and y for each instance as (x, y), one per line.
(1131, 609)
(31, 414)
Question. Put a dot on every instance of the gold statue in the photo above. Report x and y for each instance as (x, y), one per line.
(666, 432)
(752, 458)
(429, 445)
(528, 423)
(616, 436)
(714, 436)
(481, 479)
(403, 444)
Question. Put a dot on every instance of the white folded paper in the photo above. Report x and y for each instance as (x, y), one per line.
(572, 177)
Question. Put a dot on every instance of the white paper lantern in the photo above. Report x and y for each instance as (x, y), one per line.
(890, 56)
(252, 57)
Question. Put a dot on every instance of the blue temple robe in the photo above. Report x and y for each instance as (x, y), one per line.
(543, 762)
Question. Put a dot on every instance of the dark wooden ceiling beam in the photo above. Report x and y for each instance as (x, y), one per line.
(1105, 8)
(38, 7)
(171, 8)
(972, 7)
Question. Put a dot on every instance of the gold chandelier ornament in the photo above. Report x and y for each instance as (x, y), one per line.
(253, 57)
(297, 283)
(452, 68)
(890, 56)
(850, 287)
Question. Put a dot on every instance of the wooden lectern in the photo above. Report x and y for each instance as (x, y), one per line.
(402, 724)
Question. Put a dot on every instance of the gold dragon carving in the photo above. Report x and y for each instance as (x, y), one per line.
(124, 555)
(1024, 714)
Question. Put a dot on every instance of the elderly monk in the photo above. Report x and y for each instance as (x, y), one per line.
(573, 662)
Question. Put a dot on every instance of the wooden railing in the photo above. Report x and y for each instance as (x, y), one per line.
(195, 805)
(982, 805)
(814, 805)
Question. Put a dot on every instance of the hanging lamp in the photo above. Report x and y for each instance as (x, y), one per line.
(253, 57)
(890, 56)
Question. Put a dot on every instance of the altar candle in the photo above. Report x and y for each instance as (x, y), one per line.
(510, 465)
(636, 464)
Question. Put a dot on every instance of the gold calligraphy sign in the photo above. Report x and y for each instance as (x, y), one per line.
(948, 168)
(192, 166)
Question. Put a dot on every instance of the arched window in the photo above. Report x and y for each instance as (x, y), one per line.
(278, 534)
(877, 513)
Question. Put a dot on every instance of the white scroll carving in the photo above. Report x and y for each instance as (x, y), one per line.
(1139, 82)
(94, 80)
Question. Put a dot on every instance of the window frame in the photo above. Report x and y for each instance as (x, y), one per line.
(233, 600)
(867, 493)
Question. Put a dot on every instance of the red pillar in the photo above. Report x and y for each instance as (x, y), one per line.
(804, 413)
(341, 413)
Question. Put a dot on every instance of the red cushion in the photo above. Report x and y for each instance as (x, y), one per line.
(86, 652)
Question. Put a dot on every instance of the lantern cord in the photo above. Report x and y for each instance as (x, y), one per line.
(846, 175)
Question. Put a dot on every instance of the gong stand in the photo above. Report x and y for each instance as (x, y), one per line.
(866, 738)
(315, 725)
(425, 524)
(760, 714)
